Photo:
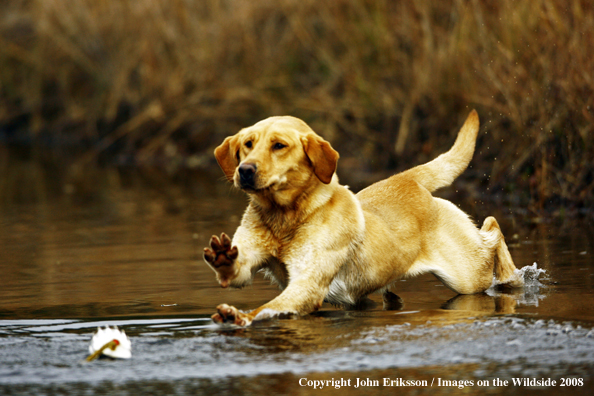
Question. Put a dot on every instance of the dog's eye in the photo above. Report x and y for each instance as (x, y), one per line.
(248, 144)
(278, 146)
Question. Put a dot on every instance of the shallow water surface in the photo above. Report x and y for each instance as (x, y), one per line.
(126, 250)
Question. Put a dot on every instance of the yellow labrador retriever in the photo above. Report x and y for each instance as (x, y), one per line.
(320, 242)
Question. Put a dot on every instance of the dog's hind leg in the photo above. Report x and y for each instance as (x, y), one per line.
(505, 269)
(391, 301)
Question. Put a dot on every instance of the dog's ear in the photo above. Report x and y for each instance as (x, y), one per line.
(322, 156)
(227, 155)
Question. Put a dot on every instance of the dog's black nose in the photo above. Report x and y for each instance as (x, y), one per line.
(247, 175)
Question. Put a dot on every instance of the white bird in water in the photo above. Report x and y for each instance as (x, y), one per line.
(110, 342)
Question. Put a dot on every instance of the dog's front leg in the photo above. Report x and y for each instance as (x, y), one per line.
(310, 274)
(300, 298)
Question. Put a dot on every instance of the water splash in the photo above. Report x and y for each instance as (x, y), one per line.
(531, 275)
(530, 293)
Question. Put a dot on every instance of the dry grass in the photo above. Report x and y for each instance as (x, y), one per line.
(386, 81)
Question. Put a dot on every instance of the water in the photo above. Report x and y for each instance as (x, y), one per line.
(124, 248)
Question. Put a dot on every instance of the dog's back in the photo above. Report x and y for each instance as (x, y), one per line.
(441, 238)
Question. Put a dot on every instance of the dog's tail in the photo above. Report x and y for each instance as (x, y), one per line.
(443, 170)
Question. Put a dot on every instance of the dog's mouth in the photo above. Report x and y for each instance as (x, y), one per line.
(254, 190)
(252, 187)
(249, 186)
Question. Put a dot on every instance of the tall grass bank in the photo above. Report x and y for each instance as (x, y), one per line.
(387, 82)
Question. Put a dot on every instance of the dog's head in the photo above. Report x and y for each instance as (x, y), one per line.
(275, 156)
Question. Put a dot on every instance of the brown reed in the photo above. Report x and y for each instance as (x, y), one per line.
(387, 82)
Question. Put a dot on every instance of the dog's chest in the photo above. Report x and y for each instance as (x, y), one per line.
(291, 249)
(282, 235)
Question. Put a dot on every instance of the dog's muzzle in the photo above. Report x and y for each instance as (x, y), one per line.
(247, 176)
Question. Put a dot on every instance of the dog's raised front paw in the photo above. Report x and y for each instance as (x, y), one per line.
(221, 257)
(231, 315)
(220, 252)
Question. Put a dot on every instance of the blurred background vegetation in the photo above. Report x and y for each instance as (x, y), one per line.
(154, 83)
